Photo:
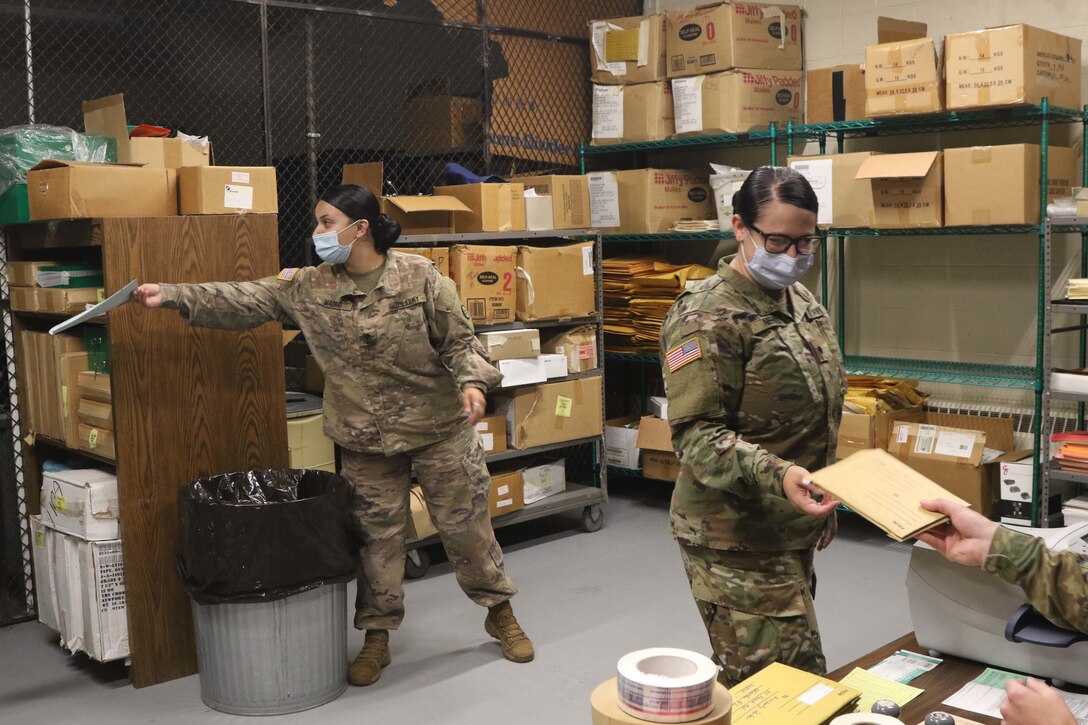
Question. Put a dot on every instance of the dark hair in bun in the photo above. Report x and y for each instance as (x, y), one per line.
(359, 202)
(773, 183)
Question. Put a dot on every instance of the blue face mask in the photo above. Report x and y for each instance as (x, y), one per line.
(776, 271)
(330, 249)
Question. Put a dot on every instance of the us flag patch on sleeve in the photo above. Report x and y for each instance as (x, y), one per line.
(287, 274)
(684, 353)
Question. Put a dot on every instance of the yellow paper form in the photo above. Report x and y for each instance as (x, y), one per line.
(885, 491)
(874, 687)
(621, 45)
(782, 694)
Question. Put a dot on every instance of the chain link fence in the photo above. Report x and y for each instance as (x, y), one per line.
(498, 86)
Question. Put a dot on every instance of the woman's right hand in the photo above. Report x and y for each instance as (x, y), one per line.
(148, 295)
(802, 494)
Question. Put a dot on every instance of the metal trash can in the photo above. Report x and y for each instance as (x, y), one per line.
(265, 557)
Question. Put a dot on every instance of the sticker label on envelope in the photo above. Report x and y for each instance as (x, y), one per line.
(563, 406)
(237, 197)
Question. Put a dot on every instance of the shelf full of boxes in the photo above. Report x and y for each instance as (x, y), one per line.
(117, 413)
(668, 92)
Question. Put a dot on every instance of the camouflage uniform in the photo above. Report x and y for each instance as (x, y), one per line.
(755, 384)
(394, 361)
(1056, 583)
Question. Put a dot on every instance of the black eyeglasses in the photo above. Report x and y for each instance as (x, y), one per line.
(779, 243)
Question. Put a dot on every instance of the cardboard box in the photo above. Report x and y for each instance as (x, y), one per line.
(485, 280)
(627, 50)
(578, 344)
(439, 123)
(507, 493)
(733, 35)
(492, 207)
(858, 431)
(95, 386)
(77, 190)
(652, 200)
(736, 100)
(551, 412)
(439, 255)
(556, 283)
(658, 458)
(94, 413)
(369, 176)
(569, 198)
(620, 442)
(907, 189)
(43, 543)
(24, 299)
(1015, 64)
(511, 344)
(950, 454)
(82, 503)
(98, 441)
(107, 117)
(631, 114)
(423, 214)
(492, 430)
(419, 519)
(1000, 184)
(845, 200)
(555, 365)
(521, 371)
(67, 301)
(835, 94)
(1014, 481)
(543, 481)
(41, 355)
(69, 366)
(25, 274)
(228, 190)
(902, 78)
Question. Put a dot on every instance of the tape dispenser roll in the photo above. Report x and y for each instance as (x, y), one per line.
(666, 685)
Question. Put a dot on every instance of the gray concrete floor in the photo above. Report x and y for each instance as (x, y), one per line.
(586, 599)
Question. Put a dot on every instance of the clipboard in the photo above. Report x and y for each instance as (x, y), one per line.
(117, 299)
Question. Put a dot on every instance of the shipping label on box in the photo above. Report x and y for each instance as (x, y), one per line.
(604, 199)
(511, 344)
(507, 493)
(845, 200)
(1016, 64)
(907, 189)
(556, 283)
(492, 432)
(630, 114)
(578, 344)
(835, 94)
(902, 78)
(485, 281)
(645, 33)
(543, 481)
(733, 35)
(620, 442)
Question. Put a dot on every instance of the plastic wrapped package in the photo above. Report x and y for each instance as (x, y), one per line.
(259, 536)
(22, 147)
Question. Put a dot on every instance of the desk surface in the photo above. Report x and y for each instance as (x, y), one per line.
(938, 684)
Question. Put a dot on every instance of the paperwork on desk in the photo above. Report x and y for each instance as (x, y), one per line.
(904, 666)
(986, 693)
(885, 491)
(779, 693)
(874, 687)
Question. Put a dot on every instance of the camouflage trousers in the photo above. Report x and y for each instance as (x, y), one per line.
(455, 484)
(757, 609)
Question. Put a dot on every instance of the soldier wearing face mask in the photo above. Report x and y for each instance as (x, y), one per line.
(755, 383)
(405, 379)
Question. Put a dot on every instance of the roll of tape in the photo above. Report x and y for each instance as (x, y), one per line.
(866, 718)
(665, 685)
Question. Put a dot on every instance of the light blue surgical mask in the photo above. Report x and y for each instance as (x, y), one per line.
(330, 249)
(776, 271)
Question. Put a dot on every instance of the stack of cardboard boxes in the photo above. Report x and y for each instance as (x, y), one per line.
(78, 571)
(632, 99)
(42, 286)
(647, 440)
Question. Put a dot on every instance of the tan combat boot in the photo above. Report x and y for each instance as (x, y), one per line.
(502, 625)
(367, 667)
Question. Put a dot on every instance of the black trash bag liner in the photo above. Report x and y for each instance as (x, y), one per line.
(259, 536)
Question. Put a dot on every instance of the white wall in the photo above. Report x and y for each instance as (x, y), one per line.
(966, 298)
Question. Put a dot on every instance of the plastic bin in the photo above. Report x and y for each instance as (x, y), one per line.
(265, 557)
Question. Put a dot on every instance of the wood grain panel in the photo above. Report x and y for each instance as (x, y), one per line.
(188, 403)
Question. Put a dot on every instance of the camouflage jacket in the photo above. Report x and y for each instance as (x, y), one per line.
(754, 385)
(1056, 582)
(394, 360)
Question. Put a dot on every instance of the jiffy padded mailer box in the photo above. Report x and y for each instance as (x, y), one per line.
(629, 114)
(1000, 184)
(858, 431)
(228, 190)
(551, 412)
(902, 78)
(733, 35)
(556, 283)
(423, 214)
(492, 207)
(627, 50)
(845, 200)
(907, 189)
(578, 344)
(736, 100)
(569, 196)
(543, 481)
(511, 344)
(835, 94)
(652, 200)
(80, 190)
(81, 502)
(1012, 65)
(485, 279)
(948, 449)
(658, 457)
(507, 493)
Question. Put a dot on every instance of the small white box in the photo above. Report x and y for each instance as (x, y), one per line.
(522, 371)
(620, 436)
(544, 481)
(43, 542)
(659, 406)
(555, 365)
(1014, 480)
(82, 503)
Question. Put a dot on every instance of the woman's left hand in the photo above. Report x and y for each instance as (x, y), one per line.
(474, 403)
(804, 496)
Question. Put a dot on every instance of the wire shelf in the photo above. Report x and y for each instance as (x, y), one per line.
(937, 371)
(669, 237)
(939, 231)
(947, 121)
